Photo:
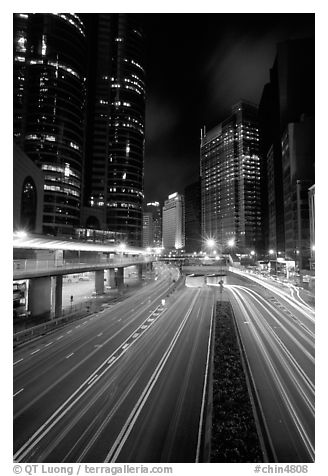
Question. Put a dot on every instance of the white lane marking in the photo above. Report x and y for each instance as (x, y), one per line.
(111, 360)
(68, 332)
(84, 323)
(94, 378)
(35, 351)
(125, 346)
(60, 337)
(70, 355)
(49, 343)
(204, 387)
(77, 326)
(17, 361)
(19, 391)
(143, 327)
(135, 335)
(134, 415)
(65, 407)
(100, 334)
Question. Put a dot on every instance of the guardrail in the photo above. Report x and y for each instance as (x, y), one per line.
(75, 312)
(23, 266)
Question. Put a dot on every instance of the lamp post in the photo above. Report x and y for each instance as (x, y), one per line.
(231, 244)
(271, 256)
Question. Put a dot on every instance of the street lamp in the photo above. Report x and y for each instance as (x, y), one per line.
(20, 234)
(210, 244)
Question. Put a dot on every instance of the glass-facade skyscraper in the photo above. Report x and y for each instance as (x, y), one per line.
(115, 141)
(230, 180)
(50, 63)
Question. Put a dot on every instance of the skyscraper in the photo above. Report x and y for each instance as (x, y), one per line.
(192, 195)
(115, 141)
(173, 222)
(230, 180)
(147, 230)
(156, 211)
(49, 108)
(288, 95)
(298, 176)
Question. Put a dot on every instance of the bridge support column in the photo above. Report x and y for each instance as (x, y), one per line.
(39, 297)
(111, 278)
(141, 268)
(99, 281)
(120, 277)
(57, 296)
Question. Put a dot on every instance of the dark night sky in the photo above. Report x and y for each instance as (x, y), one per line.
(198, 65)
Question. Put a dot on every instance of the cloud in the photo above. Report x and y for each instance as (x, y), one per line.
(238, 68)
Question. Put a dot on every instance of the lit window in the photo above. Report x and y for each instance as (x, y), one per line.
(44, 46)
(74, 146)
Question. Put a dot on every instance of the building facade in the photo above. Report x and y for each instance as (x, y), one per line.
(298, 176)
(230, 180)
(28, 192)
(192, 196)
(288, 95)
(173, 222)
(156, 211)
(147, 230)
(116, 107)
(50, 52)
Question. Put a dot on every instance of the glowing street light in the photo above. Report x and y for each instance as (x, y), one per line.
(121, 247)
(271, 252)
(231, 243)
(252, 253)
(20, 234)
(210, 243)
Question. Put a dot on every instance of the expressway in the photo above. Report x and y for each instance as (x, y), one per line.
(277, 333)
(126, 384)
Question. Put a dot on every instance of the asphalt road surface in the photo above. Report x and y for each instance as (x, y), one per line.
(277, 331)
(126, 384)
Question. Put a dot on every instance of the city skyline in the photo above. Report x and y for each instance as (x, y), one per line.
(228, 59)
(164, 272)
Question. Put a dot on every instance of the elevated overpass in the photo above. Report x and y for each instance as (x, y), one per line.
(40, 262)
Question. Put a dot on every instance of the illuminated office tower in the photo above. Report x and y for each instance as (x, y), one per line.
(115, 141)
(147, 230)
(156, 211)
(230, 180)
(50, 56)
(173, 222)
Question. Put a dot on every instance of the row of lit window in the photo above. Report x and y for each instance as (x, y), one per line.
(49, 63)
(127, 86)
(50, 138)
(126, 60)
(67, 171)
(101, 203)
(121, 103)
(124, 124)
(77, 24)
(52, 178)
(57, 188)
